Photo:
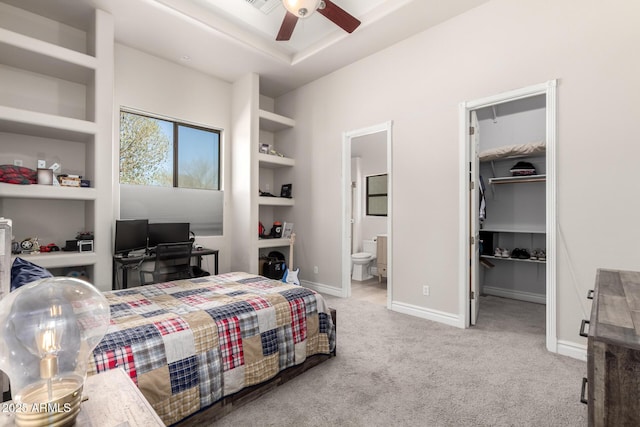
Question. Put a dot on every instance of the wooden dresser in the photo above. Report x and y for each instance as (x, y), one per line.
(613, 350)
(381, 255)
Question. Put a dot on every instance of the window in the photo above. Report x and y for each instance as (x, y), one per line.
(377, 195)
(170, 172)
(160, 152)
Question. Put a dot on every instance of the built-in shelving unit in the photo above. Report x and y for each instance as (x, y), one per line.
(71, 125)
(256, 125)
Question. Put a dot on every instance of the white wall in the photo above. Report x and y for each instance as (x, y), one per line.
(419, 83)
(150, 84)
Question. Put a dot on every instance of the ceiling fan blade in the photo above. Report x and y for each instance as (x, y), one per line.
(286, 29)
(339, 16)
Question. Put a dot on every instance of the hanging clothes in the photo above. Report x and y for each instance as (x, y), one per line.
(483, 206)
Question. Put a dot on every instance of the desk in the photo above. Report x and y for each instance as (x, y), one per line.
(124, 264)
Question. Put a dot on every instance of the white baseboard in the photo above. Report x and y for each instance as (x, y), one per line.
(519, 295)
(322, 288)
(572, 349)
(426, 313)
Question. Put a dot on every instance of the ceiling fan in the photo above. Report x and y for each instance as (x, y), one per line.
(305, 8)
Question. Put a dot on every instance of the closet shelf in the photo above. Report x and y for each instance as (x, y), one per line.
(497, 229)
(517, 179)
(513, 259)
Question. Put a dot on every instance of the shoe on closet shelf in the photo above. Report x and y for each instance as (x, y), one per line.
(515, 253)
(524, 254)
(505, 253)
(497, 253)
(542, 256)
(534, 254)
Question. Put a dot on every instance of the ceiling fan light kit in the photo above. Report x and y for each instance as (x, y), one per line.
(305, 8)
(302, 8)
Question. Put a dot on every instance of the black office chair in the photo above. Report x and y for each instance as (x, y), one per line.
(173, 262)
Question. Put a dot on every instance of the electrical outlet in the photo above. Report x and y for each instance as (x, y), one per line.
(17, 162)
(425, 290)
(315, 269)
(42, 164)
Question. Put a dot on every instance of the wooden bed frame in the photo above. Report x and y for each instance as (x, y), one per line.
(229, 403)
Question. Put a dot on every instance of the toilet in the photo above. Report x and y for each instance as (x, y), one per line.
(361, 261)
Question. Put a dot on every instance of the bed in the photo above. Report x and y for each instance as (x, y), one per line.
(196, 343)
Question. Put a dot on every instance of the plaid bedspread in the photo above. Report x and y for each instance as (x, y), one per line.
(188, 343)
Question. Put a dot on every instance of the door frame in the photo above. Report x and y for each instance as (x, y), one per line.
(346, 205)
(467, 155)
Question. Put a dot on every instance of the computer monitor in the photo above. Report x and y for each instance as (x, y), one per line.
(131, 235)
(168, 232)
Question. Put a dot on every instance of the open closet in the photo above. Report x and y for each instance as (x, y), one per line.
(512, 204)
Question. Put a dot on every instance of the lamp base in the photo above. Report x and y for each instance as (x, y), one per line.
(59, 411)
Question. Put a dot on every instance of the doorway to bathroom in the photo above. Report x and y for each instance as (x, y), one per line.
(367, 214)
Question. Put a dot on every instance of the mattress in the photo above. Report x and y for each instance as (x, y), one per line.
(188, 343)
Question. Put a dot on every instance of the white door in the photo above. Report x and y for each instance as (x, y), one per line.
(474, 218)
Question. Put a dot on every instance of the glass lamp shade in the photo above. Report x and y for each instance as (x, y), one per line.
(302, 8)
(48, 329)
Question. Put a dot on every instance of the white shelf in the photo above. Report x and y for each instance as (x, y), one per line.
(275, 201)
(15, 120)
(518, 179)
(512, 230)
(27, 53)
(273, 243)
(513, 259)
(35, 191)
(272, 162)
(273, 122)
(59, 259)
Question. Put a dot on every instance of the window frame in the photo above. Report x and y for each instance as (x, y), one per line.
(369, 196)
(176, 145)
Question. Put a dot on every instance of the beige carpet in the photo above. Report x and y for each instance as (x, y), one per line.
(397, 370)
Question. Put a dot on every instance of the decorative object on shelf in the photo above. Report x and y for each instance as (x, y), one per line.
(84, 235)
(85, 245)
(51, 247)
(285, 191)
(275, 153)
(50, 327)
(287, 230)
(28, 245)
(69, 180)
(264, 148)
(17, 175)
(45, 176)
(276, 230)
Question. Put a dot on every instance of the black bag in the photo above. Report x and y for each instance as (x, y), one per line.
(273, 268)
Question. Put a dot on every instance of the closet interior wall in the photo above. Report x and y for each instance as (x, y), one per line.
(515, 212)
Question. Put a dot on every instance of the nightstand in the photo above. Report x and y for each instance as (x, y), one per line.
(112, 399)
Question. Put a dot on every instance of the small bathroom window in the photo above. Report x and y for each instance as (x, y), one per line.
(377, 195)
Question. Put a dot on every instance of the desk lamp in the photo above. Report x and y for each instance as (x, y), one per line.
(48, 329)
